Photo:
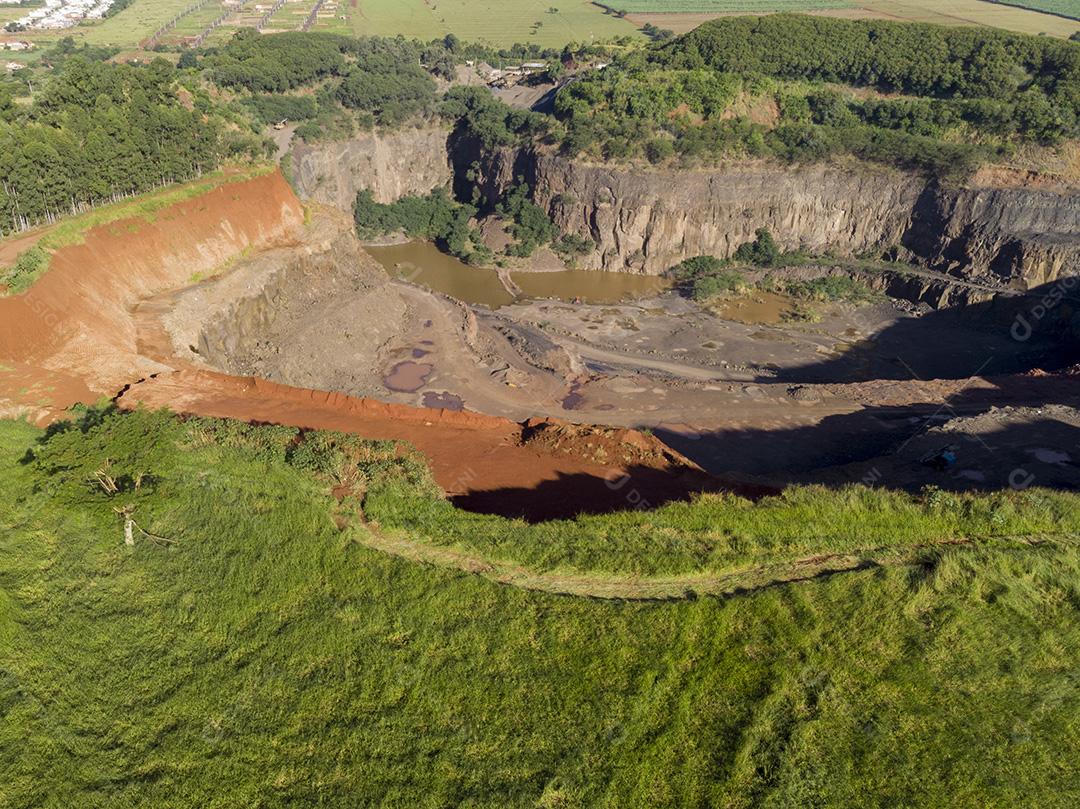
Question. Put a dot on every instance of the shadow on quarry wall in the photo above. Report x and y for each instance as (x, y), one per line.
(895, 448)
(1007, 334)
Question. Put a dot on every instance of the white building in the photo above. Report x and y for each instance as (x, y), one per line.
(64, 13)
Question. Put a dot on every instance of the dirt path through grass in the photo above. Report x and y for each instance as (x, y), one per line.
(663, 588)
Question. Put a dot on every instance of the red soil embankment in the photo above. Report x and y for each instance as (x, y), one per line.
(75, 320)
(485, 463)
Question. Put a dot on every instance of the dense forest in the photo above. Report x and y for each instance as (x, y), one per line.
(381, 78)
(936, 98)
(97, 131)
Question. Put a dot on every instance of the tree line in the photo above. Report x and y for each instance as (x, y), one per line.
(98, 131)
(949, 97)
(377, 76)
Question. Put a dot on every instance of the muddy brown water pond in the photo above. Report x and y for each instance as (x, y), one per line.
(422, 263)
(757, 308)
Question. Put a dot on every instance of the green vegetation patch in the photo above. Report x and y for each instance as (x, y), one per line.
(1062, 8)
(708, 277)
(502, 24)
(381, 78)
(719, 6)
(28, 267)
(98, 133)
(436, 217)
(955, 96)
(245, 649)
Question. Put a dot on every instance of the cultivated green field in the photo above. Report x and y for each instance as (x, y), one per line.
(1066, 8)
(940, 12)
(500, 22)
(132, 25)
(720, 6)
(252, 649)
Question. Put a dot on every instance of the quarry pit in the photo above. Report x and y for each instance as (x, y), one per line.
(259, 302)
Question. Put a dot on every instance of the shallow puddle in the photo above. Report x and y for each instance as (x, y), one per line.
(406, 377)
(443, 401)
(758, 309)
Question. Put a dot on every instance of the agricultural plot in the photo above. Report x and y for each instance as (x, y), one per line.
(973, 12)
(293, 15)
(1063, 8)
(678, 15)
(193, 24)
(132, 25)
(500, 22)
(720, 6)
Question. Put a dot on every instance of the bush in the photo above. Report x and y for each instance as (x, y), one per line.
(436, 217)
(531, 225)
(28, 267)
(723, 282)
(273, 108)
(658, 150)
(762, 252)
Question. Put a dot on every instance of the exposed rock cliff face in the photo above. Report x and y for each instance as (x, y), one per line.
(645, 220)
(392, 165)
(1017, 237)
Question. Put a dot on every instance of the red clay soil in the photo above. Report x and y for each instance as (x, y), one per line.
(75, 319)
(544, 469)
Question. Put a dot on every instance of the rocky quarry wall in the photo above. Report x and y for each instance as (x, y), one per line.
(645, 220)
(392, 165)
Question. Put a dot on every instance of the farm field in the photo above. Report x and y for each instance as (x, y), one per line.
(958, 12)
(500, 22)
(721, 6)
(132, 25)
(1064, 8)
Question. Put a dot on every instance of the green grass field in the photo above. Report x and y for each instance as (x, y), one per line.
(940, 12)
(1064, 8)
(500, 22)
(720, 6)
(132, 25)
(257, 653)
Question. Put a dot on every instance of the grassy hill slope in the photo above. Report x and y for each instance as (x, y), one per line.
(249, 650)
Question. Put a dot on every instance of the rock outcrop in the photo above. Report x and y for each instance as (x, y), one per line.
(999, 236)
(646, 220)
(392, 165)
(995, 231)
